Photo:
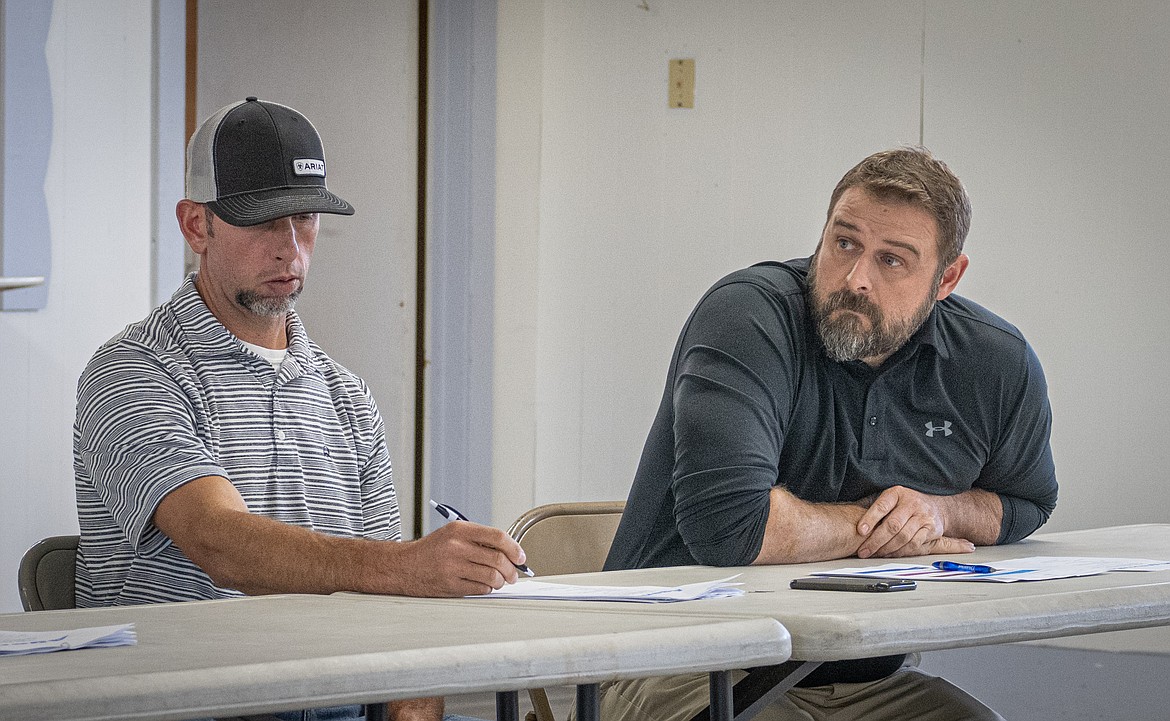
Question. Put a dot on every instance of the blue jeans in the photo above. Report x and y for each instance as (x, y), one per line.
(333, 713)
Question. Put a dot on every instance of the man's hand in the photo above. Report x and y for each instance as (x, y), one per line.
(905, 522)
(458, 559)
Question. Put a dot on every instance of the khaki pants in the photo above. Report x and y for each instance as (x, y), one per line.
(908, 694)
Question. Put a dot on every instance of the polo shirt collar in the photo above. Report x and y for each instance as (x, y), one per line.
(929, 333)
(299, 347)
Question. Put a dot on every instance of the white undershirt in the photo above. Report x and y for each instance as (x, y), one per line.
(275, 356)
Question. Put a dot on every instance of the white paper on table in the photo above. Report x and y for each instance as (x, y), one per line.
(546, 590)
(1032, 568)
(1141, 564)
(14, 643)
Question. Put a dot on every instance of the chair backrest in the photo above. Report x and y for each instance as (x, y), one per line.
(47, 574)
(568, 537)
(565, 538)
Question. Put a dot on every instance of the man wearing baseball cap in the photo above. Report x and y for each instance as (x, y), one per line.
(220, 452)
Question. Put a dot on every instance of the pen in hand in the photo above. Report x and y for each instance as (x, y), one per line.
(451, 514)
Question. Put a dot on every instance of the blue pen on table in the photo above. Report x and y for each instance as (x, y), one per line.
(451, 514)
(968, 567)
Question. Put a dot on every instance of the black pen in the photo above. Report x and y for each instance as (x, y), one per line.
(451, 514)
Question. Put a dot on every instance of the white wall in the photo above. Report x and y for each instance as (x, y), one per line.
(640, 207)
(519, 100)
(351, 67)
(1057, 120)
(619, 212)
(98, 192)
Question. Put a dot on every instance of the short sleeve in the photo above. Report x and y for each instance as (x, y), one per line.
(380, 510)
(136, 439)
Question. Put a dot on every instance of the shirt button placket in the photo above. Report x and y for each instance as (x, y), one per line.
(873, 442)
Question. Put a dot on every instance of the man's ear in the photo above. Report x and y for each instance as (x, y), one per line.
(193, 224)
(951, 276)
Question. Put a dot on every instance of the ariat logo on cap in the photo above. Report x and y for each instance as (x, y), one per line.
(309, 166)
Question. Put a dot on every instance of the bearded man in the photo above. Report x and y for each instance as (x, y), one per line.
(847, 404)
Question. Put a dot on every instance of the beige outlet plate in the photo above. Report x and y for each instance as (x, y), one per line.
(681, 93)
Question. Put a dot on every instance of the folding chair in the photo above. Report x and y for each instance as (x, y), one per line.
(565, 538)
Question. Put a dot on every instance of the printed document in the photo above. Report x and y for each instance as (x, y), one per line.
(1033, 568)
(545, 590)
(15, 643)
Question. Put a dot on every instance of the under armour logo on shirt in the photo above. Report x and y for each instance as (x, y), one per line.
(944, 429)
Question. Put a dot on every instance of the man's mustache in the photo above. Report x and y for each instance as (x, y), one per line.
(845, 299)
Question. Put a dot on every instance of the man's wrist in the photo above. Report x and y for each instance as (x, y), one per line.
(975, 515)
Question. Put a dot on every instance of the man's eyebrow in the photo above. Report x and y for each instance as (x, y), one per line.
(846, 225)
(897, 243)
(905, 246)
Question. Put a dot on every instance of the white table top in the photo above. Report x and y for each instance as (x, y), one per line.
(829, 626)
(263, 654)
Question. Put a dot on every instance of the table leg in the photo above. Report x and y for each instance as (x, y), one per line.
(377, 712)
(588, 702)
(721, 708)
(507, 706)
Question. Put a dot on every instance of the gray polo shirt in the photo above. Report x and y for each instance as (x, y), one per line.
(176, 397)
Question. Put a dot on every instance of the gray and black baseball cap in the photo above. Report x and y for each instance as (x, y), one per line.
(256, 161)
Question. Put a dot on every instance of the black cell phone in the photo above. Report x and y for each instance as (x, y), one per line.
(848, 583)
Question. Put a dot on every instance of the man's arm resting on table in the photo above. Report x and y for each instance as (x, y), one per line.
(905, 522)
(800, 531)
(209, 521)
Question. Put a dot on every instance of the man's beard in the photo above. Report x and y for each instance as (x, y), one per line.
(845, 336)
(266, 305)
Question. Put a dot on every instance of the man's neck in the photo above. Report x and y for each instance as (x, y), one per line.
(876, 360)
(262, 330)
(274, 336)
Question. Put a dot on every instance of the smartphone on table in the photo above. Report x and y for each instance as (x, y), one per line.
(851, 583)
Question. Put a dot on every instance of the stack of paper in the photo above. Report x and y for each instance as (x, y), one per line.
(545, 590)
(1033, 568)
(14, 643)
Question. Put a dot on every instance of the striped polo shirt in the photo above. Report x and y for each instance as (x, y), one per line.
(176, 397)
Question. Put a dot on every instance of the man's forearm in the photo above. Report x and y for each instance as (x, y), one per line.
(208, 520)
(257, 555)
(801, 532)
